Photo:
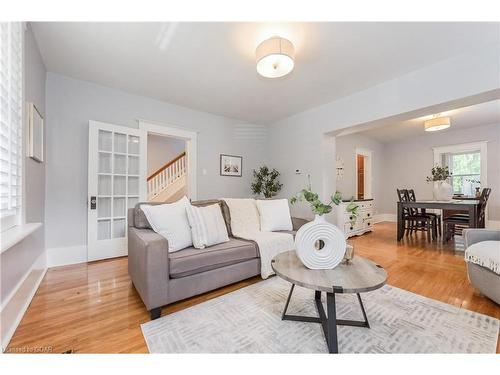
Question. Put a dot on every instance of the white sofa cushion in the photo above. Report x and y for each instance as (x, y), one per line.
(207, 225)
(274, 215)
(170, 221)
(244, 216)
(485, 254)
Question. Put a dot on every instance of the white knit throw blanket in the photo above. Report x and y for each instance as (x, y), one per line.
(245, 223)
(485, 254)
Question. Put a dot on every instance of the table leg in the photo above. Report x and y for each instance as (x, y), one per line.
(400, 221)
(333, 346)
(287, 302)
(328, 322)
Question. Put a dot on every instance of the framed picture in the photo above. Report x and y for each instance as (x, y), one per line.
(35, 133)
(231, 165)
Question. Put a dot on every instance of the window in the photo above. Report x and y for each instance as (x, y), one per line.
(11, 122)
(467, 163)
(466, 172)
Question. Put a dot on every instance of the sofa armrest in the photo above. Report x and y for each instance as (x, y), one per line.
(474, 235)
(148, 266)
(298, 222)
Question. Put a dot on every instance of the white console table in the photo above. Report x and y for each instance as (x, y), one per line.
(364, 221)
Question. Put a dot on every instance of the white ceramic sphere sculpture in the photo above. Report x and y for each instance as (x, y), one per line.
(333, 241)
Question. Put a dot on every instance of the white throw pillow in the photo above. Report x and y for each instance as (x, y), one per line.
(244, 216)
(274, 215)
(207, 225)
(170, 221)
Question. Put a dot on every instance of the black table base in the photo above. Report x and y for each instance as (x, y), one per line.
(328, 322)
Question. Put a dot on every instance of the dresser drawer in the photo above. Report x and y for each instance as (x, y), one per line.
(366, 215)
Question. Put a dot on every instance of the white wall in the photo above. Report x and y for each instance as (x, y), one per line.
(72, 103)
(407, 163)
(19, 260)
(346, 148)
(299, 141)
(161, 150)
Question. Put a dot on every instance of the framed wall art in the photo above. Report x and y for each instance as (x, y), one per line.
(231, 165)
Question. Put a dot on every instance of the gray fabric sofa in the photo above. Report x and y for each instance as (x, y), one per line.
(161, 277)
(482, 278)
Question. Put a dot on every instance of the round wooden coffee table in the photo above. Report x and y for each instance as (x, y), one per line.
(360, 275)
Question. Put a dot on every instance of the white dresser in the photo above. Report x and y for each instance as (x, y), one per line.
(364, 221)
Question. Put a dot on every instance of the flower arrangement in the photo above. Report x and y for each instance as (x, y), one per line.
(439, 174)
(266, 182)
(320, 208)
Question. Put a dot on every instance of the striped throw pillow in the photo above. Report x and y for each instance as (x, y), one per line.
(207, 225)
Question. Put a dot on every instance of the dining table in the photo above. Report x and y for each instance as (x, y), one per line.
(471, 206)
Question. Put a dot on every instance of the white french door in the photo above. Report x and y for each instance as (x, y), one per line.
(117, 169)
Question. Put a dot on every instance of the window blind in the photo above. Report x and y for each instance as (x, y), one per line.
(11, 121)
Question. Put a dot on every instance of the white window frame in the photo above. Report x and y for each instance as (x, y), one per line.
(481, 146)
(450, 162)
(18, 215)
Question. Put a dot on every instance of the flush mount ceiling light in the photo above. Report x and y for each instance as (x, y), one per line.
(275, 57)
(437, 123)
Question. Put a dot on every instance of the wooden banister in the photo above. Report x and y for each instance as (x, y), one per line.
(167, 165)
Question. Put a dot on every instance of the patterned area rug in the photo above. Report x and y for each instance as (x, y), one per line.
(249, 321)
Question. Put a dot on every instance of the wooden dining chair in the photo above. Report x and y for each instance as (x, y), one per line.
(455, 224)
(414, 221)
(436, 217)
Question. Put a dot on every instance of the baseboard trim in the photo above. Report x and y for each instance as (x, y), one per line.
(18, 301)
(378, 218)
(63, 256)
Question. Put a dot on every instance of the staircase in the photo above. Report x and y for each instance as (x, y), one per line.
(169, 183)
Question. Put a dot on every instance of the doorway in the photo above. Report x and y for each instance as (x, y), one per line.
(360, 174)
(171, 163)
(363, 174)
(167, 168)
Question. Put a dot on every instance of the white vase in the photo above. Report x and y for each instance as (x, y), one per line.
(319, 244)
(442, 191)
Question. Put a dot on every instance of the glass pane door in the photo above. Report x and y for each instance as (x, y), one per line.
(114, 182)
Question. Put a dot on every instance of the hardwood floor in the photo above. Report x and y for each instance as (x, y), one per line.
(94, 308)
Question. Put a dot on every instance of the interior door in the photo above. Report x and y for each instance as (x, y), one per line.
(117, 167)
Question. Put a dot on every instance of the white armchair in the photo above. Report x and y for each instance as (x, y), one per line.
(481, 277)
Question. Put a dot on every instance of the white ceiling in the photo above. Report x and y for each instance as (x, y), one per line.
(211, 66)
(476, 115)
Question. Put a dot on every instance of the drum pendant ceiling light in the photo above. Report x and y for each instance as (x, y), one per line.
(437, 123)
(275, 57)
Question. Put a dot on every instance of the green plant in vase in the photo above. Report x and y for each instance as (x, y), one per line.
(442, 190)
(318, 207)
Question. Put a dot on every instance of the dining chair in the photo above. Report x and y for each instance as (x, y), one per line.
(455, 224)
(437, 217)
(413, 221)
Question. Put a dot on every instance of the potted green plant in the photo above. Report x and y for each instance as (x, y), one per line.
(442, 190)
(266, 182)
(319, 208)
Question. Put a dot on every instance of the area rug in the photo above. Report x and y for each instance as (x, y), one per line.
(249, 321)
